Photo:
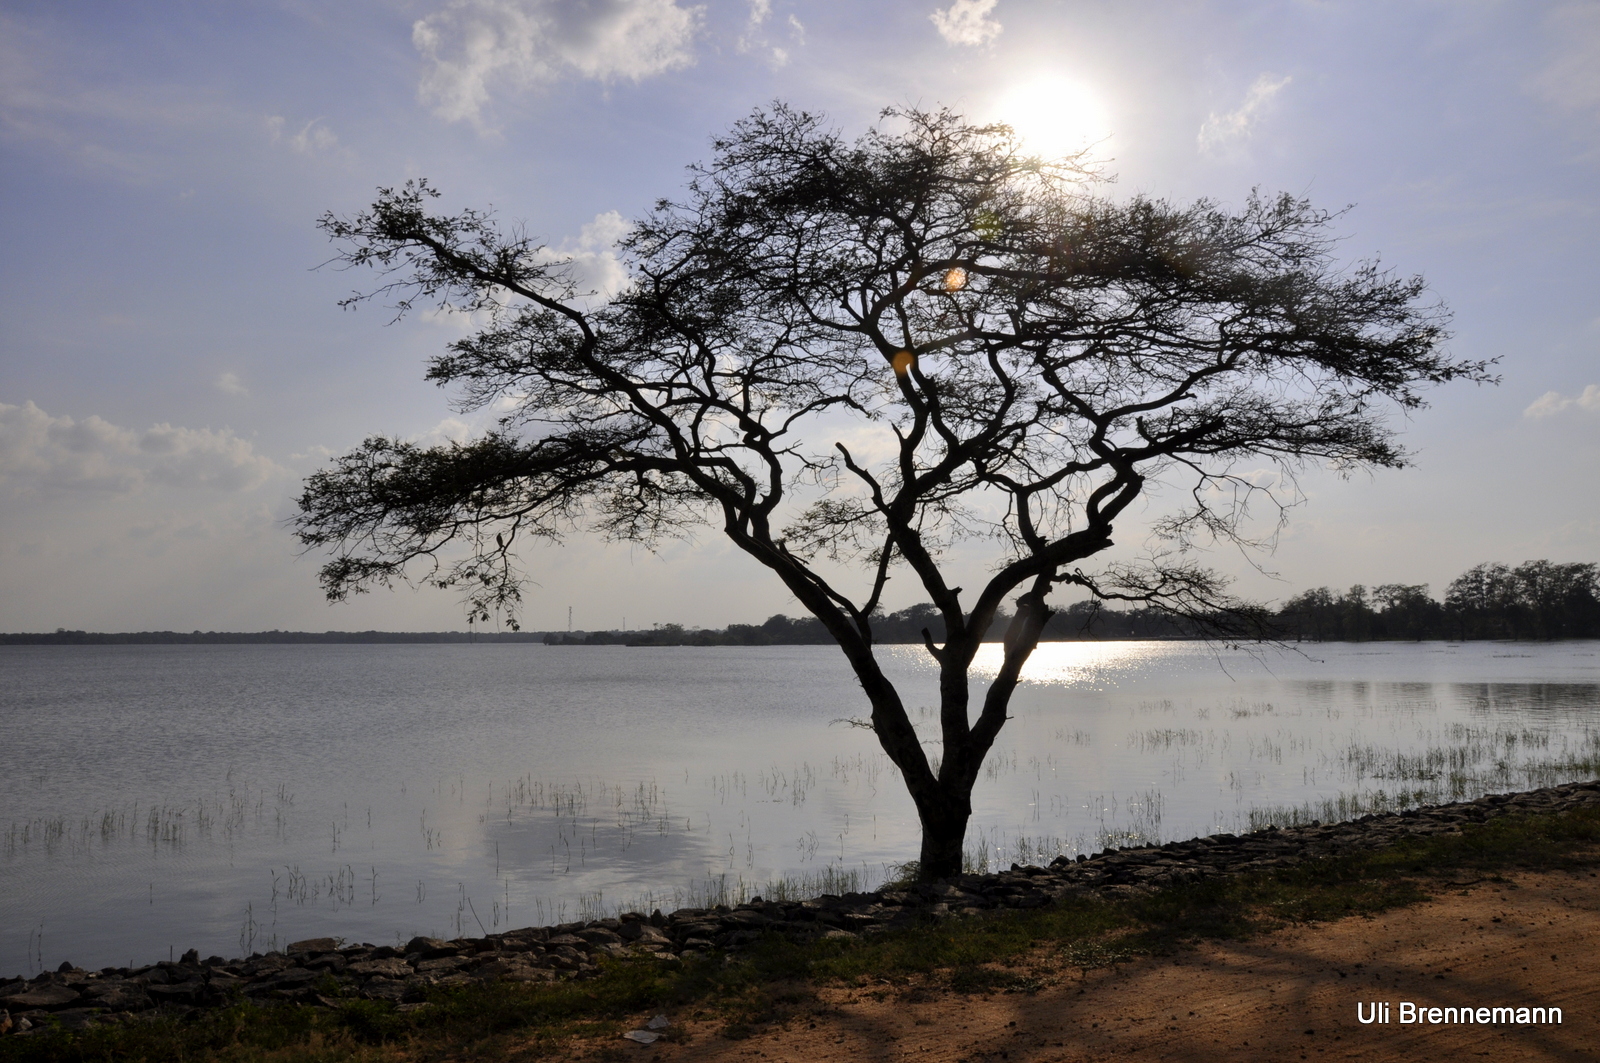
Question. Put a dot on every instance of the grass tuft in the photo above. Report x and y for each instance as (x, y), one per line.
(776, 978)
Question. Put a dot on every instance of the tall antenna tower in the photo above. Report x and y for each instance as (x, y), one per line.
(569, 619)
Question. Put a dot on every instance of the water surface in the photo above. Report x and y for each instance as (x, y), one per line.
(232, 798)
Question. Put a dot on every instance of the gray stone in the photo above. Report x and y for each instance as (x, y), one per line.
(389, 968)
(42, 996)
(384, 989)
(182, 993)
(431, 948)
(121, 996)
(442, 965)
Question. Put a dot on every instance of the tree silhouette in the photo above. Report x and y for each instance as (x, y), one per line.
(1026, 355)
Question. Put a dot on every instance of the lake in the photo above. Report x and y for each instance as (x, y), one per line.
(235, 798)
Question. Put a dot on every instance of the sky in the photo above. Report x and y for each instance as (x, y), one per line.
(173, 362)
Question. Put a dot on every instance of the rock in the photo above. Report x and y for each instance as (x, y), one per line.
(642, 933)
(386, 968)
(745, 919)
(267, 965)
(697, 929)
(496, 970)
(442, 965)
(77, 1018)
(313, 946)
(182, 993)
(565, 957)
(223, 983)
(531, 974)
(287, 981)
(121, 996)
(430, 948)
(384, 989)
(43, 996)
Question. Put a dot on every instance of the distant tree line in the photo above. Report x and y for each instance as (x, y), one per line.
(1077, 621)
(1535, 600)
(65, 637)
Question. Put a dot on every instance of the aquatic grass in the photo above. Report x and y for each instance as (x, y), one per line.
(1477, 761)
(724, 889)
(1002, 951)
(1267, 759)
(160, 825)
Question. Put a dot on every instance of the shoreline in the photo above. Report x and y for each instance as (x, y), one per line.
(319, 971)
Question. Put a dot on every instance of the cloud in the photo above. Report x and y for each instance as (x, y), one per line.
(230, 384)
(760, 11)
(592, 262)
(449, 430)
(964, 23)
(1571, 77)
(1221, 130)
(42, 452)
(754, 38)
(1553, 402)
(313, 138)
(473, 45)
(588, 265)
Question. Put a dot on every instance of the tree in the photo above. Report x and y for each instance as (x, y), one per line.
(1031, 356)
(1483, 602)
(1536, 600)
(1407, 611)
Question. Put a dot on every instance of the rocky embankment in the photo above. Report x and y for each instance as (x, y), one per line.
(322, 972)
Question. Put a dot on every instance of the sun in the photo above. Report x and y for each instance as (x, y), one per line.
(1055, 116)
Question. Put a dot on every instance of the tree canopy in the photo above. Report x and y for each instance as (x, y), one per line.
(1024, 355)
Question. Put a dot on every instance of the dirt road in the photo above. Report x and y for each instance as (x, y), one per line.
(1533, 941)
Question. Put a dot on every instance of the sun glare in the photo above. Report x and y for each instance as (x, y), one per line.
(1055, 116)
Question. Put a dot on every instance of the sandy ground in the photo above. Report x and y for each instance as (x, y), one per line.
(1533, 941)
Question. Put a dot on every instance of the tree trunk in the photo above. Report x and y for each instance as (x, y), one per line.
(944, 828)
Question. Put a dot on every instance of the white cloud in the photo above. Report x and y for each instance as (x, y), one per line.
(1553, 402)
(1221, 130)
(965, 22)
(230, 384)
(592, 262)
(449, 430)
(42, 452)
(760, 11)
(754, 39)
(313, 138)
(473, 45)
